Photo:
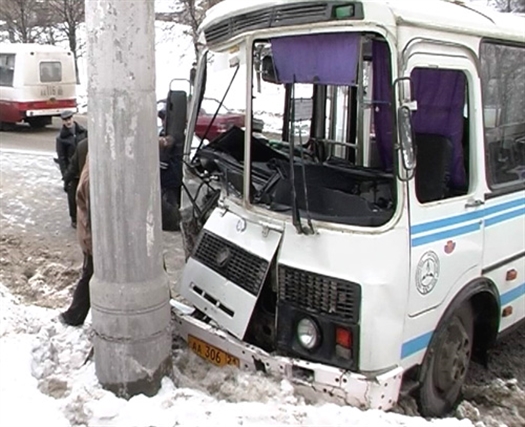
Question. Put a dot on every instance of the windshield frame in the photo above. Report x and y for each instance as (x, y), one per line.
(195, 105)
(248, 46)
(244, 46)
(398, 191)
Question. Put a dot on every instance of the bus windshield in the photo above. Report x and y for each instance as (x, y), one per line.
(321, 126)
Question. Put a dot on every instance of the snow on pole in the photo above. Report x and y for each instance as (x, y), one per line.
(129, 289)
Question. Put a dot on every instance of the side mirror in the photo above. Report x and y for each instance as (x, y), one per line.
(406, 138)
(176, 113)
(402, 88)
(268, 69)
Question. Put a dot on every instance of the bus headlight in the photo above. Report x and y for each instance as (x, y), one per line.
(308, 333)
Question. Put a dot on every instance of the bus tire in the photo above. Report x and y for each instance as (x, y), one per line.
(39, 122)
(446, 364)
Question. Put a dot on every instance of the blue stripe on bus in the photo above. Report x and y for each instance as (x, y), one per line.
(471, 216)
(512, 295)
(508, 205)
(463, 218)
(447, 234)
(504, 217)
(421, 342)
(446, 222)
(416, 344)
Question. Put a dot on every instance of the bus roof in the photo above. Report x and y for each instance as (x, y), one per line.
(29, 47)
(451, 15)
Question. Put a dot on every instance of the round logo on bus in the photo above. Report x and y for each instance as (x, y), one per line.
(427, 272)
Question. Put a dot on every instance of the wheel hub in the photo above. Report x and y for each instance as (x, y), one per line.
(452, 361)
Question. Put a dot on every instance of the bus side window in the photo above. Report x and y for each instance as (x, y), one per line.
(441, 147)
(6, 69)
(503, 84)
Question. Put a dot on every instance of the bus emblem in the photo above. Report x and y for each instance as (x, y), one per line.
(427, 272)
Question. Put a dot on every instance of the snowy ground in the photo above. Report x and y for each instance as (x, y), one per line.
(47, 364)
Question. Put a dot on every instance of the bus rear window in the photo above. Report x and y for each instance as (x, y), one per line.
(50, 72)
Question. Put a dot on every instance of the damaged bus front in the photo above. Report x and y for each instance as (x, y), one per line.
(297, 223)
(318, 249)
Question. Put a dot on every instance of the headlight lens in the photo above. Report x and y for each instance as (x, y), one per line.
(308, 333)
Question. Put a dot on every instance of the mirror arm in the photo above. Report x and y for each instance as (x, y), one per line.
(404, 146)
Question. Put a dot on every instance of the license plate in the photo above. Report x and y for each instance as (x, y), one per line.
(51, 91)
(210, 353)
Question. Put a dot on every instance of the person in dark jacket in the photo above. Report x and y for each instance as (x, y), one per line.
(170, 183)
(81, 303)
(67, 140)
(76, 164)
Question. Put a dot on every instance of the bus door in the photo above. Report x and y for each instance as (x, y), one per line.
(446, 194)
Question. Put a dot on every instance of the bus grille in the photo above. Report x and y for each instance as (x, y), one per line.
(233, 263)
(278, 16)
(320, 294)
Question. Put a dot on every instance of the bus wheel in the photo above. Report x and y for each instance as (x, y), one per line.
(446, 364)
(7, 126)
(39, 122)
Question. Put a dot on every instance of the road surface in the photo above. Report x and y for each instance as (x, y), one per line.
(49, 230)
(22, 137)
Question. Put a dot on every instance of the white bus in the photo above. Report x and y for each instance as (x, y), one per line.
(37, 82)
(371, 240)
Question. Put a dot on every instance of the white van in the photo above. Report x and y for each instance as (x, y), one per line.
(37, 82)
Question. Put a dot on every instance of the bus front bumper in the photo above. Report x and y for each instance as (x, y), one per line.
(312, 379)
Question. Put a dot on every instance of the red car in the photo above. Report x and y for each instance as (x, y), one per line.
(224, 120)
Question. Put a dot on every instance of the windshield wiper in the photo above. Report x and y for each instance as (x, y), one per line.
(305, 190)
(296, 216)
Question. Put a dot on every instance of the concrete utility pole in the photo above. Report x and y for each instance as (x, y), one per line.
(129, 290)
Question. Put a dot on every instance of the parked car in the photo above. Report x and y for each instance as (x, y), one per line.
(224, 120)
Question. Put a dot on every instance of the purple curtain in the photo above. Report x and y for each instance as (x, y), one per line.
(440, 96)
(382, 102)
(329, 59)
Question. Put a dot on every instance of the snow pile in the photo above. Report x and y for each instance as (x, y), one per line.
(17, 387)
(49, 365)
(57, 352)
(501, 403)
(16, 318)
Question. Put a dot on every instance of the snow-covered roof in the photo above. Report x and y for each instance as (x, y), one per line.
(29, 47)
(446, 14)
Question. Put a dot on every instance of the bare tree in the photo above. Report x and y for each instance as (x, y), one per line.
(192, 13)
(21, 20)
(66, 16)
(509, 6)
